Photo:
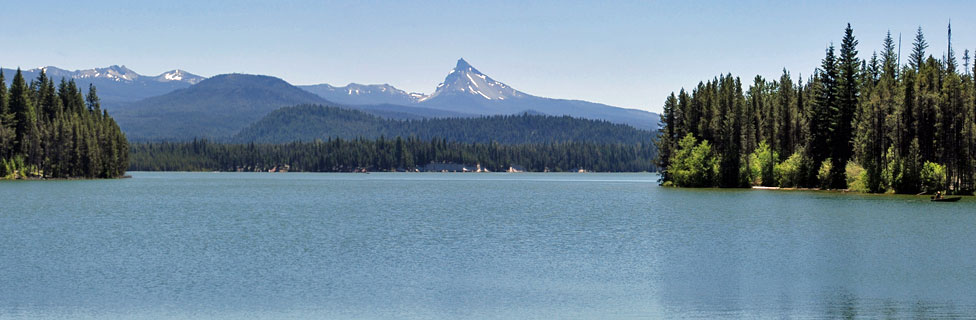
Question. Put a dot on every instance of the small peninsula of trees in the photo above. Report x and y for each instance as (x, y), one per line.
(870, 125)
(49, 131)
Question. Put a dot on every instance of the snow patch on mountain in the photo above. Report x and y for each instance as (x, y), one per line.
(178, 75)
(118, 73)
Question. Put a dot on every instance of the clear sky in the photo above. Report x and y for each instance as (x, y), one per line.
(624, 53)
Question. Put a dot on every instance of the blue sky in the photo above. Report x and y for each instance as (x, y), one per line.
(624, 53)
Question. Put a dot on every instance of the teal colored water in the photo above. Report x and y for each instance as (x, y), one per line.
(473, 246)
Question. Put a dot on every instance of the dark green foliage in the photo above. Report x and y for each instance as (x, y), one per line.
(47, 132)
(918, 50)
(310, 122)
(847, 97)
(870, 138)
(7, 130)
(787, 127)
(341, 155)
(872, 125)
(822, 119)
(24, 117)
(667, 135)
(729, 145)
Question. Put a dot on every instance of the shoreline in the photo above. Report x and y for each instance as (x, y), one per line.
(65, 179)
(839, 191)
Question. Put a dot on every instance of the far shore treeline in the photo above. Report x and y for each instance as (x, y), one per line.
(872, 125)
(49, 131)
(390, 154)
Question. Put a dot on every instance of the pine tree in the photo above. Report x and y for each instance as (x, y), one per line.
(847, 97)
(917, 57)
(758, 119)
(92, 101)
(869, 153)
(730, 106)
(25, 117)
(824, 109)
(888, 91)
(666, 141)
(954, 115)
(927, 107)
(685, 115)
(7, 135)
(787, 116)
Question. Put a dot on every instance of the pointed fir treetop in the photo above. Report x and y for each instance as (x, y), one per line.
(92, 101)
(889, 58)
(848, 54)
(917, 57)
(828, 66)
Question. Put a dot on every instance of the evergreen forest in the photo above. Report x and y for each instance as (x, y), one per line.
(394, 154)
(310, 122)
(49, 131)
(870, 125)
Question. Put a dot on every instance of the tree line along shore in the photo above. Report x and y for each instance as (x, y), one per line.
(390, 154)
(50, 131)
(869, 125)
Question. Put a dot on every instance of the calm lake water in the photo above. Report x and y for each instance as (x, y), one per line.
(473, 246)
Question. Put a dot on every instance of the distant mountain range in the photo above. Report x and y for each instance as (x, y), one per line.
(220, 106)
(115, 84)
(180, 105)
(469, 91)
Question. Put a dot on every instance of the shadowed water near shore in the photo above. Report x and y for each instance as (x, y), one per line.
(252, 245)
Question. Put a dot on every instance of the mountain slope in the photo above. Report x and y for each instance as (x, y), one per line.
(215, 107)
(310, 122)
(116, 84)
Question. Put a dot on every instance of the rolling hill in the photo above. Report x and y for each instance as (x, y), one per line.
(214, 108)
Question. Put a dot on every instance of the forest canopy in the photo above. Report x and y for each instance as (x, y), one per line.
(49, 131)
(393, 154)
(871, 125)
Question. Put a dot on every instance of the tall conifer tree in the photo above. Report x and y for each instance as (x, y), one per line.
(847, 97)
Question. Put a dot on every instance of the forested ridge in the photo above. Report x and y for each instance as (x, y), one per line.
(341, 155)
(49, 131)
(871, 125)
(310, 122)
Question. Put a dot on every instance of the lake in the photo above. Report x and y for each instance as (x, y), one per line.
(473, 246)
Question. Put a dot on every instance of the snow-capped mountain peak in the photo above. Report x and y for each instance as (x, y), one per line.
(464, 66)
(118, 73)
(178, 75)
(51, 72)
(115, 72)
(465, 79)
